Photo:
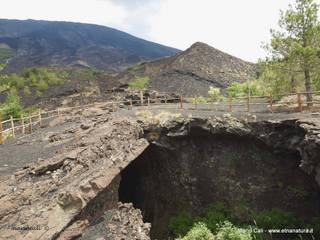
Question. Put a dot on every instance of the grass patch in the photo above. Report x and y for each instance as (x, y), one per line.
(139, 82)
(5, 54)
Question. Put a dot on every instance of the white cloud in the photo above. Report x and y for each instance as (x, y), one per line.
(236, 27)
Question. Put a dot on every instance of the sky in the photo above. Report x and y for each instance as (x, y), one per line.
(238, 27)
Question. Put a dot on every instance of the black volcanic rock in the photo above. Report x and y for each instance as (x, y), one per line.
(45, 43)
(193, 71)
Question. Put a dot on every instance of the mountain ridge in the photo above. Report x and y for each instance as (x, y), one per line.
(60, 43)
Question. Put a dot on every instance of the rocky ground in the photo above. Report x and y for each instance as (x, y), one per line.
(74, 193)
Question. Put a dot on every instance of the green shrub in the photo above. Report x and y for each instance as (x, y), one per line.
(215, 214)
(315, 225)
(255, 88)
(198, 232)
(275, 219)
(38, 93)
(198, 99)
(227, 231)
(139, 82)
(42, 85)
(179, 225)
(11, 106)
(214, 94)
(26, 91)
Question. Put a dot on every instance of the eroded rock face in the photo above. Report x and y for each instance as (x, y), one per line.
(247, 166)
(55, 192)
(181, 164)
(122, 223)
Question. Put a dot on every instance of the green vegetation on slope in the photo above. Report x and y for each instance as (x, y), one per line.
(5, 54)
(139, 82)
(37, 79)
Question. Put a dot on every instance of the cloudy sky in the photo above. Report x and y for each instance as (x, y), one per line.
(236, 27)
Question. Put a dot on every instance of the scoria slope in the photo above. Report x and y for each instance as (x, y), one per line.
(193, 71)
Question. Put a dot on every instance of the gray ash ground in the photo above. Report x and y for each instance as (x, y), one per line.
(78, 185)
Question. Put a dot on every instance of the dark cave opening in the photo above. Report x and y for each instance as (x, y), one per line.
(188, 173)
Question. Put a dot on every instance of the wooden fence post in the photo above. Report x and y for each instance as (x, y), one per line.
(230, 104)
(1, 131)
(40, 118)
(12, 127)
(165, 99)
(148, 101)
(248, 104)
(30, 123)
(271, 103)
(141, 97)
(181, 102)
(300, 108)
(131, 105)
(22, 124)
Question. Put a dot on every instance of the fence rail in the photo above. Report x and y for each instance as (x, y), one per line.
(296, 102)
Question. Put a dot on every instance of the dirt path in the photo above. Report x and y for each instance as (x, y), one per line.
(17, 153)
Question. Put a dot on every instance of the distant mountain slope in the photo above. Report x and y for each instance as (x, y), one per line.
(192, 72)
(43, 43)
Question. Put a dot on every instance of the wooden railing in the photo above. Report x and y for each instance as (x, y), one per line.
(268, 104)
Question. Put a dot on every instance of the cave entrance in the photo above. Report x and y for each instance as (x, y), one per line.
(188, 173)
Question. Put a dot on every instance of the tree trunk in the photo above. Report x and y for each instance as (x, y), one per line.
(308, 86)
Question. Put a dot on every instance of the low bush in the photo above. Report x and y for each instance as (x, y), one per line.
(180, 225)
(11, 106)
(254, 88)
(275, 219)
(228, 231)
(198, 232)
(215, 95)
(215, 214)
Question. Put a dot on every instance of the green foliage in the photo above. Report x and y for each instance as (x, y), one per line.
(139, 82)
(211, 216)
(180, 225)
(42, 85)
(227, 231)
(26, 91)
(295, 50)
(254, 88)
(214, 94)
(38, 93)
(275, 219)
(198, 232)
(215, 214)
(38, 78)
(315, 225)
(2, 66)
(224, 224)
(42, 78)
(5, 54)
(11, 106)
(198, 99)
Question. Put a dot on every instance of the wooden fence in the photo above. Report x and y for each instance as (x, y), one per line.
(268, 104)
